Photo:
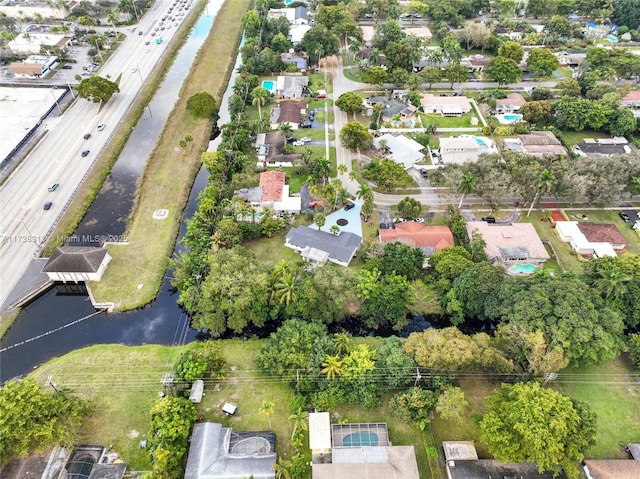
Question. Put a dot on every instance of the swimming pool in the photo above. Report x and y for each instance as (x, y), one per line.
(362, 438)
(480, 142)
(522, 268)
(252, 445)
(509, 118)
(612, 38)
(269, 85)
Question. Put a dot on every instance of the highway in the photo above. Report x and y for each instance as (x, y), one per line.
(57, 158)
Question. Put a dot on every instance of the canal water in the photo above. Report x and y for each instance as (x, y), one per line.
(57, 322)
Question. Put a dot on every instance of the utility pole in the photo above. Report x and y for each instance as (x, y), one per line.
(49, 382)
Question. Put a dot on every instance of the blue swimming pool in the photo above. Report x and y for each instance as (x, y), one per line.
(612, 38)
(513, 117)
(269, 85)
(363, 438)
(523, 268)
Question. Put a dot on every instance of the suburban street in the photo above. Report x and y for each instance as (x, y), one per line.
(57, 158)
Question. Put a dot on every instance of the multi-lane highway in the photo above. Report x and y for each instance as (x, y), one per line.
(58, 158)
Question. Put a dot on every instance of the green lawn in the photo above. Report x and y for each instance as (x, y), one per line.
(269, 251)
(567, 259)
(463, 121)
(574, 137)
(613, 392)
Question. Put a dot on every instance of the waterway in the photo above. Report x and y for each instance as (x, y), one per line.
(57, 322)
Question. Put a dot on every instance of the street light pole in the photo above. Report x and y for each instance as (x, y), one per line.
(142, 84)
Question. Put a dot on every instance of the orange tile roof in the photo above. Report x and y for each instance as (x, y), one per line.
(272, 184)
(418, 235)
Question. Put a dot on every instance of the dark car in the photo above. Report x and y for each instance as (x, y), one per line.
(87, 136)
(85, 153)
(306, 124)
(67, 67)
(489, 219)
(624, 216)
(383, 226)
(291, 139)
(47, 205)
(349, 206)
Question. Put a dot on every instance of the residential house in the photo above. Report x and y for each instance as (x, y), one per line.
(571, 59)
(217, 452)
(298, 60)
(296, 16)
(612, 469)
(33, 66)
(632, 101)
(537, 143)
(365, 53)
(400, 148)
(72, 264)
(430, 239)
(423, 33)
(291, 87)
(297, 32)
(511, 104)
(475, 63)
(445, 105)
(591, 239)
(462, 462)
(272, 192)
(392, 107)
(288, 111)
(320, 246)
(603, 147)
(33, 37)
(507, 244)
(463, 148)
(350, 456)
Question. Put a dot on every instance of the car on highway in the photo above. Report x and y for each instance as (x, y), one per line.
(86, 136)
(85, 153)
(134, 69)
(53, 187)
(140, 32)
(147, 42)
(313, 204)
(349, 206)
(101, 126)
(47, 205)
(624, 216)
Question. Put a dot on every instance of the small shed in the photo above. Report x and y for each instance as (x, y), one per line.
(229, 409)
(197, 389)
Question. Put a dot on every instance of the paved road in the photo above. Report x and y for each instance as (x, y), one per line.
(57, 158)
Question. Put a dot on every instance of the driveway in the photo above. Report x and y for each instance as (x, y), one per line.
(306, 197)
(345, 220)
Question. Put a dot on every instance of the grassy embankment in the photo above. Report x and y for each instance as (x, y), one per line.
(135, 274)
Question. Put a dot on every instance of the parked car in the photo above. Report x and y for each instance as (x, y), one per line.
(383, 226)
(489, 219)
(85, 153)
(291, 140)
(53, 187)
(306, 124)
(419, 220)
(47, 205)
(313, 204)
(67, 67)
(624, 216)
(305, 139)
(424, 172)
(349, 206)
(298, 143)
(101, 126)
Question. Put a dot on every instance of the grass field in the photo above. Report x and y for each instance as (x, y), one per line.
(463, 121)
(574, 137)
(135, 273)
(613, 392)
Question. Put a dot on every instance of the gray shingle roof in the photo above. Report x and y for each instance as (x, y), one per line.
(341, 247)
(75, 259)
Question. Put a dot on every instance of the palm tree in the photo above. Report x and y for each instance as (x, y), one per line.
(319, 220)
(353, 175)
(613, 284)
(364, 192)
(342, 168)
(338, 189)
(546, 180)
(260, 96)
(285, 289)
(323, 170)
(341, 342)
(267, 410)
(378, 109)
(335, 230)
(354, 47)
(282, 468)
(299, 419)
(286, 131)
(367, 209)
(331, 367)
(466, 186)
(374, 56)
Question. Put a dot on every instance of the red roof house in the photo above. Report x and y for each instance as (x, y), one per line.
(430, 239)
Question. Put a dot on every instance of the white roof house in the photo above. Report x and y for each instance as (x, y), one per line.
(445, 105)
(463, 148)
(297, 32)
(403, 150)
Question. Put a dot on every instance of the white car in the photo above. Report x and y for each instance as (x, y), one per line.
(419, 220)
(134, 69)
(305, 139)
(298, 143)
(101, 126)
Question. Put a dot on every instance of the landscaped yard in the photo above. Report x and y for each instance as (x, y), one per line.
(574, 137)
(609, 216)
(269, 251)
(463, 121)
(613, 392)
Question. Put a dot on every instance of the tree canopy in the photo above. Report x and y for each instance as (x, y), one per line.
(97, 89)
(201, 105)
(527, 422)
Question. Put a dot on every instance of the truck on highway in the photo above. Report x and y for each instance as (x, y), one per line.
(159, 40)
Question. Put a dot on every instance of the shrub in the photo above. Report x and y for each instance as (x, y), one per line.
(503, 130)
(201, 105)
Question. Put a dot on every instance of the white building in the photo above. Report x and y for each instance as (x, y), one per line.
(73, 264)
(402, 150)
(464, 148)
(30, 41)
